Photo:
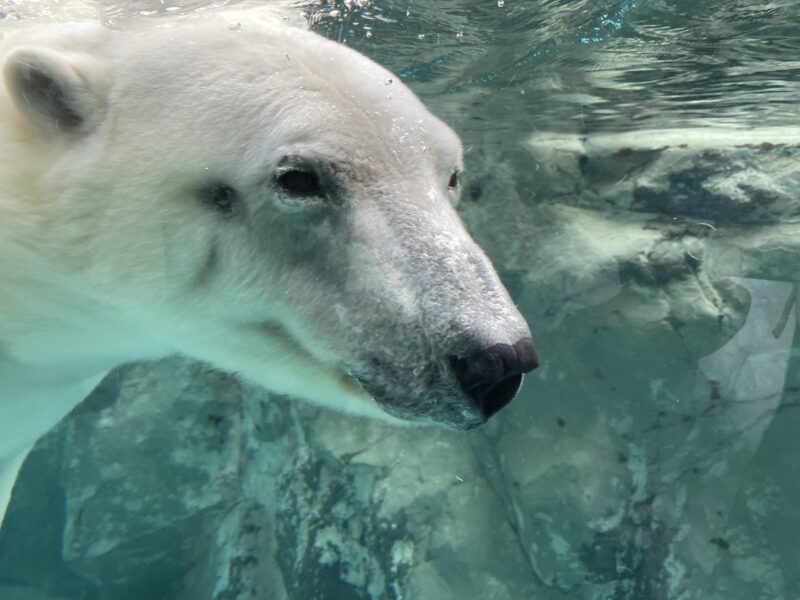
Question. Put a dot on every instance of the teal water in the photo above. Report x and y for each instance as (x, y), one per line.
(633, 172)
(588, 66)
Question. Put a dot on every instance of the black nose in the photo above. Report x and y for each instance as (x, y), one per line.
(492, 377)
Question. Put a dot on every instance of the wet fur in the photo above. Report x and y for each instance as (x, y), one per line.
(356, 300)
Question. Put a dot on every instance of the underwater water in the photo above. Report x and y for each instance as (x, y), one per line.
(633, 171)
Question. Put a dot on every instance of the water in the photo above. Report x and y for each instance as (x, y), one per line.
(588, 66)
(631, 170)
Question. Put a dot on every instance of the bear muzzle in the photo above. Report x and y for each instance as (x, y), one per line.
(461, 392)
(492, 377)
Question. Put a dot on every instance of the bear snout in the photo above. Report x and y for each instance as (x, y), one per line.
(461, 392)
(493, 376)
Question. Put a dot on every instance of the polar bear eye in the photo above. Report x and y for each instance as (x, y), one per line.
(453, 183)
(299, 183)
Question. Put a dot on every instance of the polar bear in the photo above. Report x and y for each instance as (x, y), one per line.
(247, 193)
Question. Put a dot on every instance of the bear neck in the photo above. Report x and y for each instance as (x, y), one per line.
(52, 330)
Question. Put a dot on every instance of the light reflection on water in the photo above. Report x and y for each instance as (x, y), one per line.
(566, 65)
(588, 66)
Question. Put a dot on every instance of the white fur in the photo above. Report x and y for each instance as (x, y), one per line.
(107, 254)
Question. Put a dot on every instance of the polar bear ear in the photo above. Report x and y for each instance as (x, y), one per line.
(49, 90)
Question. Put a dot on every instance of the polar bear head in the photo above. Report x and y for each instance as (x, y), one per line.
(277, 204)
